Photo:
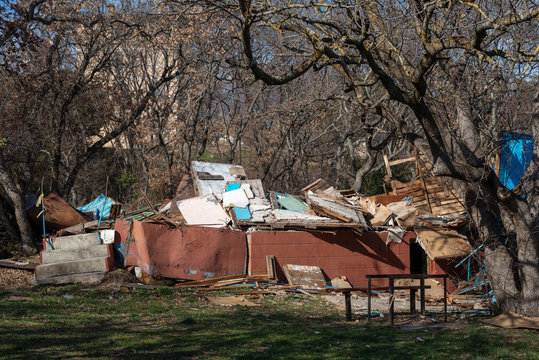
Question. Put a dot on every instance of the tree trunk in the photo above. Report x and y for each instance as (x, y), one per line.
(27, 243)
(8, 221)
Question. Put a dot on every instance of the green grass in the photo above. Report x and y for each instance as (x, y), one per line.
(182, 324)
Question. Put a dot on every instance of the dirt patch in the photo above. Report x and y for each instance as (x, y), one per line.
(231, 301)
(14, 278)
(116, 278)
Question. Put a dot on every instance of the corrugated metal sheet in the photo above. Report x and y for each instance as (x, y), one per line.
(216, 187)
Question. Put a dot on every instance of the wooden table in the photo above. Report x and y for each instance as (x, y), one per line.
(392, 288)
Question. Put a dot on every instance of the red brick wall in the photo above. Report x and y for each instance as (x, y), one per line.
(189, 252)
(345, 253)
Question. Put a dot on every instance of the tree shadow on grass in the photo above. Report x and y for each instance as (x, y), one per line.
(64, 330)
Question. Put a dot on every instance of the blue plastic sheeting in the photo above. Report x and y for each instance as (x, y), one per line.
(231, 187)
(516, 155)
(101, 203)
(242, 213)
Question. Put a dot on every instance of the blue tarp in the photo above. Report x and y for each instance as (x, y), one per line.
(516, 155)
(101, 203)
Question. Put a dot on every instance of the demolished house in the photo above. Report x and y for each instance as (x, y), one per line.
(220, 223)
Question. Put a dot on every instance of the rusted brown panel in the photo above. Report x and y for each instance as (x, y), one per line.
(345, 253)
(58, 214)
(189, 252)
(386, 199)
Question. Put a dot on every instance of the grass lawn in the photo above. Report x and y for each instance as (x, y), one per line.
(181, 324)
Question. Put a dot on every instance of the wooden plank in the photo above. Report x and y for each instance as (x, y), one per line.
(401, 161)
(210, 281)
(411, 183)
(304, 276)
(270, 265)
(425, 188)
(80, 227)
(388, 168)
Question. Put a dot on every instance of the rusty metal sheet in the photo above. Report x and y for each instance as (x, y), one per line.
(58, 214)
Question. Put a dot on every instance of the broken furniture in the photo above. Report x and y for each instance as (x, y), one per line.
(348, 290)
(392, 288)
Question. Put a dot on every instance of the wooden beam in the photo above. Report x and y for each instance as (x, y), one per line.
(401, 161)
(388, 168)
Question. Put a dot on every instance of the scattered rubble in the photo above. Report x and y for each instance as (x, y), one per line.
(203, 237)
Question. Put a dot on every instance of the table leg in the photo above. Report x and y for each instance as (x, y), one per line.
(412, 301)
(422, 290)
(369, 301)
(445, 299)
(391, 302)
(348, 305)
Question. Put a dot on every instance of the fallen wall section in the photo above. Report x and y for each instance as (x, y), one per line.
(345, 253)
(190, 252)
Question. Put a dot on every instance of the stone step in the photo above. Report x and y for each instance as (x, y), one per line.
(86, 278)
(100, 264)
(72, 241)
(63, 255)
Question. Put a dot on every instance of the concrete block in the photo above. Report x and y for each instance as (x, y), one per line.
(101, 264)
(63, 255)
(73, 241)
(87, 278)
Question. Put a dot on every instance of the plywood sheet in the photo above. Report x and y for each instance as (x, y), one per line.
(304, 276)
(443, 244)
(203, 211)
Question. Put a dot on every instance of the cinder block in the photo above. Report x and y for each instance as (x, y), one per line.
(100, 264)
(87, 278)
(73, 242)
(63, 255)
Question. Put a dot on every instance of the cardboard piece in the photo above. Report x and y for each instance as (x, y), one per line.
(304, 276)
(340, 282)
(381, 216)
(514, 321)
(404, 213)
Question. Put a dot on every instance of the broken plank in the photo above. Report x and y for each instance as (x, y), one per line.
(401, 161)
(304, 276)
(17, 265)
(80, 227)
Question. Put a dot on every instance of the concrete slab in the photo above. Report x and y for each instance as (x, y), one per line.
(62, 255)
(87, 278)
(100, 264)
(73, 241)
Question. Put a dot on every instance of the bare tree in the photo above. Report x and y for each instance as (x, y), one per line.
(418, 55)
